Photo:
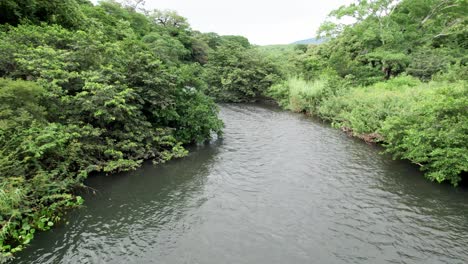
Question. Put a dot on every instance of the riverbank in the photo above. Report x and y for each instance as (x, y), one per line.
(90, 88)
(426, 123)
(270, 192)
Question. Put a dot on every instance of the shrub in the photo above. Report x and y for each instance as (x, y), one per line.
(433, 132)
(426, 123)
(363, 109)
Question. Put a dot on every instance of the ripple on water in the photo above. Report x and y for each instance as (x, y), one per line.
(278, 188)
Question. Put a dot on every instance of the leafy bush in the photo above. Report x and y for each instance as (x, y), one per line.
(363, 110)
(433, 132)
(103, 95)
(297, 94)
(423, 122)
(237, 72)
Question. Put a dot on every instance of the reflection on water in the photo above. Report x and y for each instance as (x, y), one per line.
(279, 188)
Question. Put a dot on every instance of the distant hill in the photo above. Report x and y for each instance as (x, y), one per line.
(310, 41)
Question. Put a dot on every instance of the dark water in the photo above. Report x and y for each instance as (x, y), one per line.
(279, 188)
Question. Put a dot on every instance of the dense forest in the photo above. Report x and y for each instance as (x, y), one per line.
(88, 88)
(100, 88)
(397, 76)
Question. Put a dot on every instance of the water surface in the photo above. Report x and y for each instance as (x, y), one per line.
(279, 188)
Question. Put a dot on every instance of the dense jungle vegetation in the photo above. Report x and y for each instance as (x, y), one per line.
(397, 75)
(100, 88)
(88, 88)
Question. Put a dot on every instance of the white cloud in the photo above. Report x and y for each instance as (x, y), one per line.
(262, 21)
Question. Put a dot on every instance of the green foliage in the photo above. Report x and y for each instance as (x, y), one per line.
(98, 90)
(200, 117)
(290, 60)
(101, 88)
(363, 110)
(391, 63)
(388, 38)
(299, 95)
(64, 12)
(401, 80)
(425, 123)
(425, 63)
(433, 132)
(237, 72)
(20, 104)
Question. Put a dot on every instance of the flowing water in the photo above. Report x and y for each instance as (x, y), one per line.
(278, 188)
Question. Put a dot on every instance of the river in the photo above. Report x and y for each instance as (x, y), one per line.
(278, 188)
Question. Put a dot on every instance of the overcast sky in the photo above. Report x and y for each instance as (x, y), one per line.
(261, 21)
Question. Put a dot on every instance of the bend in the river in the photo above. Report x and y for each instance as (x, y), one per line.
(279, 188)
